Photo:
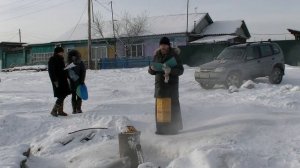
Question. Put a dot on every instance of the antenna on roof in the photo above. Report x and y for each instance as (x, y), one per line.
(196, 9)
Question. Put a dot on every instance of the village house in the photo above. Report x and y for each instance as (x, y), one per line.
(108, 46)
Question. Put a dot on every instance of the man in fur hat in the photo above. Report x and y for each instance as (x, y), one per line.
(168, 113)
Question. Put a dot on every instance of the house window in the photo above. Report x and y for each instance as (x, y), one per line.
(40, 57)
(99, 52)
(135, 50)
(173, 44)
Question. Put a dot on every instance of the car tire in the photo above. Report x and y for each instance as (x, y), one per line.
(207, 85)
(276, 76)
(234, 79)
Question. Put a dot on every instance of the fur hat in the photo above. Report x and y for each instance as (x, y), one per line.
(74, 53)
(165, 40)
(74, 56)
(58, 50)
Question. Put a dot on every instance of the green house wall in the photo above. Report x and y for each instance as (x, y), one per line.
(15, 58)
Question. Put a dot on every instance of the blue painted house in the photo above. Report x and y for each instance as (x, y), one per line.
(201, 29)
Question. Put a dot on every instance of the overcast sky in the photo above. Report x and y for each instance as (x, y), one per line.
(46, 20)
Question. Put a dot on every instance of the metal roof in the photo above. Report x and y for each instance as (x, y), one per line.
(230, 27)
(157, 25)
(293, 31)
(214, 39)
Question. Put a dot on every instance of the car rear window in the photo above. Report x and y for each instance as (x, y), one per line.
(232, 53)
(253, 53)
(266, 50)
(276, 49)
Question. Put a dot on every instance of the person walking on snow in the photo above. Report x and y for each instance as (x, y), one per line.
(76, 75)
(168, 113)
(59, 80)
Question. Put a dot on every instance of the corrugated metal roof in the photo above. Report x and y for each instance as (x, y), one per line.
(293, 31)
(157, 25)
(222, 28)
(214, 39)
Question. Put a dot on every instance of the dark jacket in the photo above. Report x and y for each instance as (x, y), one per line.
(170, 89)
(57, 73)
(76, 74)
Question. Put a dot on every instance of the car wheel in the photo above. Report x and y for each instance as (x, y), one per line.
(233, 79)
(276, 76)
(207, 85)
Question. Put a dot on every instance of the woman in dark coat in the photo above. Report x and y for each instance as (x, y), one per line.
(76, 75)
(168, 113)
(59, 81)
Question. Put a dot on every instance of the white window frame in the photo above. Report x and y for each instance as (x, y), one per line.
(99, 49)
(173, 44)
(40, 57)
(136, 50)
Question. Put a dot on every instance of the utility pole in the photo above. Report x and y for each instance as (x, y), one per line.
(112, 18)
(187, 21)
(113, 24)
(89, 35)
(20, 36)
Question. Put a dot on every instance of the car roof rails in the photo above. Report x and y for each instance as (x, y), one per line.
(268, 41)
(249, 43)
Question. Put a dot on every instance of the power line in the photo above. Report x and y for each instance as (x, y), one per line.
(34, 36)
(5, 33)
(37, 11)
(107, 8)
(38, 34)
(83, 12)
(8, 4)
(25, 6)
(17, 34)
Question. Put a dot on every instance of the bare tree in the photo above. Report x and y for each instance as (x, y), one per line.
(127, 29)
(130, 28)
(133, 27)
(99, 24)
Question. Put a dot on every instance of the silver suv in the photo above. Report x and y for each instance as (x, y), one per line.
(242, 62)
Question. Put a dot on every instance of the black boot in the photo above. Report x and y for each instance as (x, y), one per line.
(78, 106)
(54, 111)
(74, 107)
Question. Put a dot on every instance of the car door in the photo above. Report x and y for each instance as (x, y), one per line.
(267, 59)
(277, 55)
(252, 67)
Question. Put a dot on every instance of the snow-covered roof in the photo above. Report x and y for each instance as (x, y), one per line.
(173, 23)
(223, 27)
(157, 25)
(214, 39)
(81, 33)
(294, 31)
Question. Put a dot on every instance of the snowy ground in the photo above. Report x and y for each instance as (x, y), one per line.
(257, 128)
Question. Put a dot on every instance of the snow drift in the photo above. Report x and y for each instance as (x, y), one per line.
(256, 127)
